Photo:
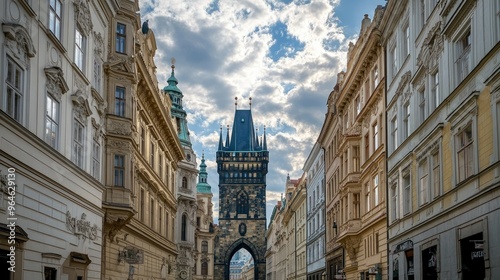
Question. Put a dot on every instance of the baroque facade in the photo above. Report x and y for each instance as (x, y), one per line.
(52, 112)
(314, 170)
(141, 156)
(443, 121)
(185, 184)
(205, 229)
(355, 161)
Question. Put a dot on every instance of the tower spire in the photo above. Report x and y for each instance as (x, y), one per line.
(264, 142)
(227, 137)
(220, 139)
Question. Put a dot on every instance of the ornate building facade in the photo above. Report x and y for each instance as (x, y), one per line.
(142, 152)
(52, 113)
(205, 230)
(242, 167)
(356, 151)
(314, 170)
(443, 117)
(185, 185)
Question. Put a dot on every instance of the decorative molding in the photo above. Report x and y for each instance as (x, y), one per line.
(405, 78)
(83, 18)
(81, 227)
(19, 41)
(98, 44)
(81, 106)
(56, 84)
(120, 128)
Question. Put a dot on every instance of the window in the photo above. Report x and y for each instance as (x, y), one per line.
(394, 60)
(357, 101)
(242, 204)
(78, 143)
(406, 194)
(120, 101)
(183, 228)
(375, 77)
(55, 13)
(119, 171)
(97, 80)
(204, 246)
(49, 273)
(436, 175)
(367, 146)
(436, 99)
(143, 141)
(375, 137)
(96, 159)
(80, 41)
(121, 37)
(356, 206)
(204, 268)
(160, 220)
(423, 188)
(465, 159)
(463, 64)
(143, 201)
(152, 153)
(160, 166)
(406, 41)
(394, 132)
(152, 214)
(367, 197)
(406, 120)
(375, 191)
(52, 122)
(355, 158)
(14, 82)
(184, 183)
(421, 94)
(394, 202)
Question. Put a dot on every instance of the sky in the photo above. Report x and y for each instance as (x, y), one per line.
(285, 54)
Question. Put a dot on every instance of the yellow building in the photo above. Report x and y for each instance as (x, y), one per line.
(142, 152)
(443, 113)
(355, 161)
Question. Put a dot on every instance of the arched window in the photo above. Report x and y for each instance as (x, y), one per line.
(183, 228)
(204, 246)
(242, 203)
(204, 268)
(184, 182)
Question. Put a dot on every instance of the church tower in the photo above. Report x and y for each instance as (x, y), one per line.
(185, 182)
(242, 167)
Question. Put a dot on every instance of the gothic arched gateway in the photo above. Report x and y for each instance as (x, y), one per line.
(242, 167)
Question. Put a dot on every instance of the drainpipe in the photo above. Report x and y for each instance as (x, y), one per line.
(295, 232)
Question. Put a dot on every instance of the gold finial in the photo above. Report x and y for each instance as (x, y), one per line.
(172, 60)
(250, 98)
(236, 102)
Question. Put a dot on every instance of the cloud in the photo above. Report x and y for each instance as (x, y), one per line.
(283, 54)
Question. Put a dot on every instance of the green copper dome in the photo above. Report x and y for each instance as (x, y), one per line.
(177, 111)
(203, 186)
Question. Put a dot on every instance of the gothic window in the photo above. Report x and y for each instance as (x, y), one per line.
(183, 228)
(242, 205)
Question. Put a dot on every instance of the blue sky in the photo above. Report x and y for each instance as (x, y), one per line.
(284, 54)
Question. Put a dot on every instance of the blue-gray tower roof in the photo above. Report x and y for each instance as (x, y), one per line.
(243, 136)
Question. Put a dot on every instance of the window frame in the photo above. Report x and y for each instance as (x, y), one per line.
(54, 120)
(17, 111)
(80, 49)
(468, 148)
(120, 101)
(121, 38)
(423, 181)
(119, 170)
(407, 192)
(78, 141)
(55, 18)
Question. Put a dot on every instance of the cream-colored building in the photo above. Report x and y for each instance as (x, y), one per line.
(276, 245)
(52, 113)
(205, 230)
(142, 152)
(443, 117)
(356, 187)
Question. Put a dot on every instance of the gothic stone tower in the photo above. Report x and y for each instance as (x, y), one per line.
(242, 167)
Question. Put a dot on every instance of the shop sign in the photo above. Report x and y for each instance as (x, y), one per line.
(81, 227)
(404, 246)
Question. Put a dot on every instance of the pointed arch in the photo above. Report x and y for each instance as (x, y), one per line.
(242, 203)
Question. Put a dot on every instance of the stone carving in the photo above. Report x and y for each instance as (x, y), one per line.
(83, 18)
(81, 227)
(18, 41)
(351, 245)
(403, 82)
(99, 44)
(56, 84)
(119, 128)
(119, 145)
(431, 49)
(81, 106)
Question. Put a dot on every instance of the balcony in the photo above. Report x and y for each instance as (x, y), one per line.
(351, 227)
(119, 207)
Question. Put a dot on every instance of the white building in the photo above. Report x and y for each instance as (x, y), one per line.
(314, 169)
(51, 126)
